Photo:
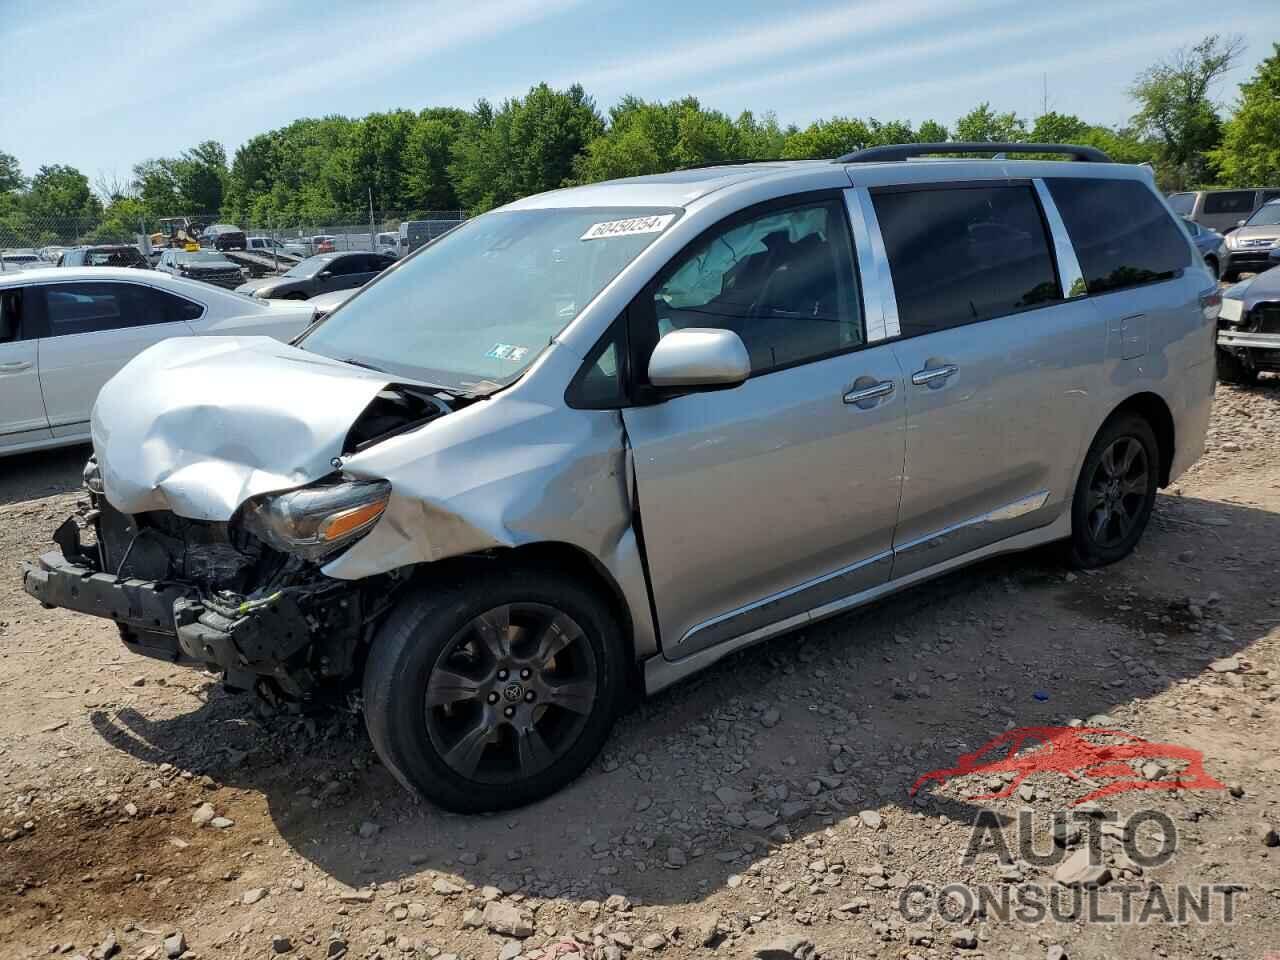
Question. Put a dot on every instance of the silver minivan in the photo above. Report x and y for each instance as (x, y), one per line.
(1221, 210)
(597, 439)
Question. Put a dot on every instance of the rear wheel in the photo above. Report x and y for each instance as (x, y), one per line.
(1115, 492)
(1212, 263)
(1231, 369)
(495, 692)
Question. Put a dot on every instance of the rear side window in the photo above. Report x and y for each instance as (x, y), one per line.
(1122, 236)
(963, 254)
(72, 308)
(1183, 203)
(1230, 201)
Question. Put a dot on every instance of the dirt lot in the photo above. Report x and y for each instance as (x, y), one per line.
(765, 802)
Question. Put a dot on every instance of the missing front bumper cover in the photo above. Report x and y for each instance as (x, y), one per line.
(298, 637)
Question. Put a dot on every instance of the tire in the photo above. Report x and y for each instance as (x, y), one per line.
(1231, 369)
(1229, 276)
(434, 629)
(1212, 263)
(1089, 546)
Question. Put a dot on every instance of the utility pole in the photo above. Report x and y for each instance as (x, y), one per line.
(1044, 100)
(373, 247)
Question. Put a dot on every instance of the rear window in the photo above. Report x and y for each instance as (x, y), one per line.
(1229, 201)
(960, 255)
(1122, 235)
(1183, 203)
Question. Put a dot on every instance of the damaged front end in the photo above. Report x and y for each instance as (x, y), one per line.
(244, 597)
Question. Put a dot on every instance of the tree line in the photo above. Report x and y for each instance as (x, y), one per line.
(445, 158)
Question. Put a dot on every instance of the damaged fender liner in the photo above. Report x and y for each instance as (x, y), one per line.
(298, 637)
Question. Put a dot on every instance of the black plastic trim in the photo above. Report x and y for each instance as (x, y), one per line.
(905, 151)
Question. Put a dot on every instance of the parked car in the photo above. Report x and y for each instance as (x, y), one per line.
(104, 255)
(416, 233)
(322, 273)
(1249, 246)
(309, 246)
(388, 244)
(1210, 243)
(20, 260)
(51, 254)
(267, 245)
(205, 266)
(64, 332)
(223, 236)
(1249, 328)
(812, 384)
(1221, 210)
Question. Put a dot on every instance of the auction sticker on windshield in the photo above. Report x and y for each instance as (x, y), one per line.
(629, 227)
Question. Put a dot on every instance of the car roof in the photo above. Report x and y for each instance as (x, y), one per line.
(680, 188)
(76, 274)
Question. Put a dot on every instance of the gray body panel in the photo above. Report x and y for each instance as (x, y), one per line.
(761, 507)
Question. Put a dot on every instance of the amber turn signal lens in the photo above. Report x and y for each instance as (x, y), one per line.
(348, 521)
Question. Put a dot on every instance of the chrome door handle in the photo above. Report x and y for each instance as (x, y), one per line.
(930, 374)
(873, 392)
(15, 366)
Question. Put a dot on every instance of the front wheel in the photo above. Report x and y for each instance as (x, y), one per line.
(494, 692)
(1115, 492)
(1212, 263)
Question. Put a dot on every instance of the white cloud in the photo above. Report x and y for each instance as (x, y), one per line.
(913, 59)
(762, 44)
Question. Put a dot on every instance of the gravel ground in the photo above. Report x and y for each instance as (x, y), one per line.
(762, 809)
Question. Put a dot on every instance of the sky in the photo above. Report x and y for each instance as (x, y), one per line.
(103, 85)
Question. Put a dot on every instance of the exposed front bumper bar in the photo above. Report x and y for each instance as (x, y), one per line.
(1241, 338)
(143, 608)
(268, 638)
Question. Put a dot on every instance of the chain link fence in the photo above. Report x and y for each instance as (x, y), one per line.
(28, 240)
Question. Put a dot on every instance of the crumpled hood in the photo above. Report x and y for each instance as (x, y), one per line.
(197, 425)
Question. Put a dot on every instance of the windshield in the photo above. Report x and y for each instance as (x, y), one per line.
(473, 309)
(309, 267)
(1265, 216)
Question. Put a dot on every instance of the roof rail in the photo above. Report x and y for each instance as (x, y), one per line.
(904, 151)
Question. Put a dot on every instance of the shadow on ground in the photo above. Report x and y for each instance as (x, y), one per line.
(866, 703)
(27, 476)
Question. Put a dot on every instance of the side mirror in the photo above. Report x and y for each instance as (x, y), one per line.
(325, 274)
(699, 357)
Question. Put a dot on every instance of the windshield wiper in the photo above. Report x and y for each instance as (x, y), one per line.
(361, 363)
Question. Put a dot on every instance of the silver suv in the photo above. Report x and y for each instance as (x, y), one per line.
(602, 437)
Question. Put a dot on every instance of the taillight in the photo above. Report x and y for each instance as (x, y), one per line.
(1211, 303)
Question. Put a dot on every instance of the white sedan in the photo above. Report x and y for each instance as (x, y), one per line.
(65, 332)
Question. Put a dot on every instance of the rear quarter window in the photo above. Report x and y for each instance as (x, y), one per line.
(964, 254)
(1230, 201)
(1122, 235)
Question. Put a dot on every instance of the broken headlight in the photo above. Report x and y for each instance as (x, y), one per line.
(315, 521)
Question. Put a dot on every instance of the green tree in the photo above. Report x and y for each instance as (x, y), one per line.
(11, 178)
(427, 154)
(982, 124)
(1175, 109)
(525, 146)
(60, 201)
(1055, 127)
(1250, 150)
(200, 176)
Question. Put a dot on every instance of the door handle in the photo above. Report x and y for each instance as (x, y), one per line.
(873, 392)
(15, 366)
(933, 374)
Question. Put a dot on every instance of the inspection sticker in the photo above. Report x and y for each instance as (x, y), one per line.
(629, 227)
(506, 351)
